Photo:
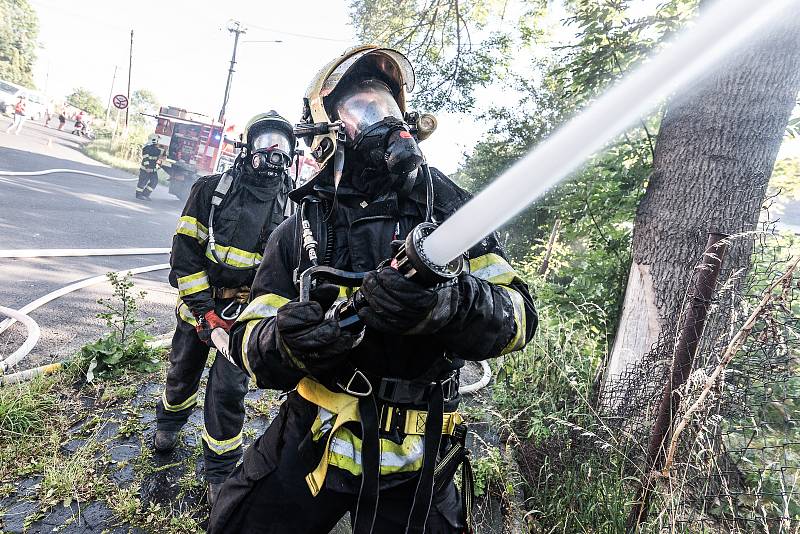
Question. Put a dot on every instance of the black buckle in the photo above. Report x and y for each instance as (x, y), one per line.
(397, 423)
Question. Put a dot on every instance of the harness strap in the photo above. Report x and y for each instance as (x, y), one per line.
(367, 505)
(346, 408)
(223, 186)
(423, 496)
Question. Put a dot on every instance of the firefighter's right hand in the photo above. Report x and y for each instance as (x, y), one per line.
(307, 340)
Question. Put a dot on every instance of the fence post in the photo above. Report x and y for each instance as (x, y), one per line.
(690, 334)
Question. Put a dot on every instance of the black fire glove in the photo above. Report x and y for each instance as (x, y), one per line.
(307, 340)
(397, 305)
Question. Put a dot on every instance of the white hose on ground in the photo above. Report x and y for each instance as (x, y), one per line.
(30, 342)
(79, 252)
(41, 301)
(480, 384)
(68, 171)
(27, 346)
(28, 374)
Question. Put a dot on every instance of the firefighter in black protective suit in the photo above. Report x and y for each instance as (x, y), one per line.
(148, 178)
(216, 250)
(369, 425)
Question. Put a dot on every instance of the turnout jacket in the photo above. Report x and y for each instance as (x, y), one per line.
(150, 155)
(495, 316)
(249, 212)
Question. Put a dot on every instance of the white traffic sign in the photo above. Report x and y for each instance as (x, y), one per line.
(120, 101)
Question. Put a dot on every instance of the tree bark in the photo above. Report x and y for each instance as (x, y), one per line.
(714, 155)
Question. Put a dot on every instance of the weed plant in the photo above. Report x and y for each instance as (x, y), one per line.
(124, 347)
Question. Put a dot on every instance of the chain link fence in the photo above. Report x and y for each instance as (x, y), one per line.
(728, 460)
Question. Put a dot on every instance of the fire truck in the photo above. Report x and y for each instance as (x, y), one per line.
(193, 145)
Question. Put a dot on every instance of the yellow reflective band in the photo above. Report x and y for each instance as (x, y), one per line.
(345, 453)
(262, 306)
(193, 228)
(518, 341)
(346, 291)
(492, 268)
(193, 283)
(220, 447)
(233, 256)
(245, 340)
(344, 449)
(184, 312)
(188, 403)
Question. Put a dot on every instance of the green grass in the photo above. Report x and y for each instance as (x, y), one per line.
(101, 150)
(25, 408)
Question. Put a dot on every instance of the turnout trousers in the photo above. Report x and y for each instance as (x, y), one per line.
(223, 408)
(147, 182)
(268, 493)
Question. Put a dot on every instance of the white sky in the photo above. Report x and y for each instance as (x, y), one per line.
(182, 52)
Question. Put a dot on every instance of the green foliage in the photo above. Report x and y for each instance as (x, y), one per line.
(448, 41)
(25, 408)
(124, 347)
(84, 99)
(19, 29)
(597, 206)
(143, 101)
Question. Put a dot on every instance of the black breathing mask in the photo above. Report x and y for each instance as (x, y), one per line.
(269, 154)
(375, 130)
(271, 162)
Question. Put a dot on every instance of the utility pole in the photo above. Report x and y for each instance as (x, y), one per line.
(130, 66)
(111, 93)
(235, 28)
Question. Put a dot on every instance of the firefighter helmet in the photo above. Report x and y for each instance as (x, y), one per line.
(270, 129)
(353, 66)
(153, 139)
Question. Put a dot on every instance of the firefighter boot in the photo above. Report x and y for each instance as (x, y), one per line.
(165, 440)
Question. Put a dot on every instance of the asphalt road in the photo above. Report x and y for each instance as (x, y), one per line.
(74, 211)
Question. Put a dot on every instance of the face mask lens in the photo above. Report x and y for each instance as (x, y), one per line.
(272, 139)
(363, 105)
(276, 158)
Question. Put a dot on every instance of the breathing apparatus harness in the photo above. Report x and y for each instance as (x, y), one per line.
(269, 163)
(434, 388)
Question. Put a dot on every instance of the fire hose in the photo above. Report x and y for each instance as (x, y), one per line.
(32, 327)
(65, 171)
(434, 254)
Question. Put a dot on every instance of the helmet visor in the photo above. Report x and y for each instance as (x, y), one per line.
(272, 139)
(364, 104)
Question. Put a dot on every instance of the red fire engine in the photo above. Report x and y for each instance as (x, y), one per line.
(193, 145)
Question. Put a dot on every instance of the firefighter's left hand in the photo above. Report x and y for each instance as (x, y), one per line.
(397, 305)
(210, 320)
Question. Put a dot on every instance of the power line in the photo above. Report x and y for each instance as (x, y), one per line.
(301, 35)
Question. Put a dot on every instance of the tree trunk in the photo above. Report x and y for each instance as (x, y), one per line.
(714, 155)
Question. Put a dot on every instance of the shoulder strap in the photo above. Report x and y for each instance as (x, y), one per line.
(223, 186)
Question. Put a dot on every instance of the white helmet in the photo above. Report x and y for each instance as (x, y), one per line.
(153, 140)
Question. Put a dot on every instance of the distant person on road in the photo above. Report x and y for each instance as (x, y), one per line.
(240, 209)
(19, 116)
(62, 119)
(148, 178)
(80, 124)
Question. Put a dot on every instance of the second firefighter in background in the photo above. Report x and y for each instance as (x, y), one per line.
(216, 250)
(148, 177)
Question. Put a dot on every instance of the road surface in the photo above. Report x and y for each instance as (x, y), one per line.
(74, 211)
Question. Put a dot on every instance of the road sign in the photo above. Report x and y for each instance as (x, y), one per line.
(120, 101)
